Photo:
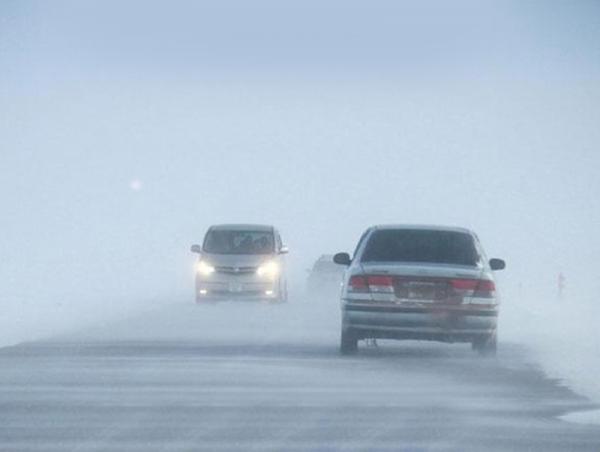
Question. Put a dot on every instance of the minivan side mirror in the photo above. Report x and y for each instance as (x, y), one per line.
(196, 249)
(284, 250)
(342, 259)
(497, 264)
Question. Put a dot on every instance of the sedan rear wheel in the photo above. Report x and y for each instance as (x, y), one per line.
(486, 346)
(348, 342)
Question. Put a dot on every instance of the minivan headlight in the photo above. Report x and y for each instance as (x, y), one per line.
(204, 268)
(268, 269)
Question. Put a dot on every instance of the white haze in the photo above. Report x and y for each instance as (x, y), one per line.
(123, 137)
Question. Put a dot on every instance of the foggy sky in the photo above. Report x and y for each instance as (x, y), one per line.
(322, 120)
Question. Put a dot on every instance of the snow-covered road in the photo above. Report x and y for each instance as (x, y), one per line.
(256, 377)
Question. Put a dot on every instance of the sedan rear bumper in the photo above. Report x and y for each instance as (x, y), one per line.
(446, 323)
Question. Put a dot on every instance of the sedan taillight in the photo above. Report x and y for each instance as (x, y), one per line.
(358, 284)
(481, 288)
(441, 289)
(371, 283)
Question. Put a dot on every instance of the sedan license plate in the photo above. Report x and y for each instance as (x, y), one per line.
(422, 291)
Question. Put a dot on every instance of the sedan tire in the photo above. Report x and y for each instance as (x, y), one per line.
(348, 342)
(486, 346)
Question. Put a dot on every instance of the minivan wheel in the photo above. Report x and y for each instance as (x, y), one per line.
(283, 294)
(348, 342)
(486, 346)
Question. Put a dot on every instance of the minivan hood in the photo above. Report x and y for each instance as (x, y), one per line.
(422, 269)
(236, 260)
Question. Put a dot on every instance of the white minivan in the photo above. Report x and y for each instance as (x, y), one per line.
(241, 262)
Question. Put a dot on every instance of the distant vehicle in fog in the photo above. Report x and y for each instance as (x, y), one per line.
(241, 262)
(325, 276)
(419, 282)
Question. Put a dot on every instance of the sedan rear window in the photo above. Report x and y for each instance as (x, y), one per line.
(413, 245)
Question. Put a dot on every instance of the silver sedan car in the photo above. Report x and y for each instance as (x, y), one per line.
(241, 262)
(419, 282)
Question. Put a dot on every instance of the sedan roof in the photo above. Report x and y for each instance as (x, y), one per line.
(422, 227)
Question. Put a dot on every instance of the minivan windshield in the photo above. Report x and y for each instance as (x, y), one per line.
(239, 242)
(414, 245)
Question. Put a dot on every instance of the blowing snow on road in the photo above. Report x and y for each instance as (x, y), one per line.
(262, 377)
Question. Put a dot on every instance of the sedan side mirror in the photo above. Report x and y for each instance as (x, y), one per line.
(196, 249)
(497, 264)
(342, 259)
(284, 250)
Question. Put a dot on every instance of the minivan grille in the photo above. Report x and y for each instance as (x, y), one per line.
(236, 270)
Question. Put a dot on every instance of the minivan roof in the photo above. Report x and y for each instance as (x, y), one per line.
(241, 227)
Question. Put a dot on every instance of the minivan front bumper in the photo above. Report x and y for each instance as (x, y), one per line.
(236, 288)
